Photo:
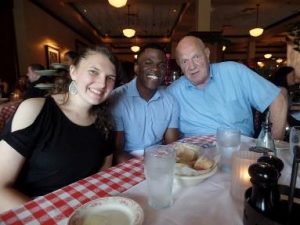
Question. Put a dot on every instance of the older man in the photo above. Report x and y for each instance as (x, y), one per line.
(144, 114)
(222, 94)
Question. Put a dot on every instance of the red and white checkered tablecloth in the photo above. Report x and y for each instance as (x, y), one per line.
(6, 112)
(56, 207)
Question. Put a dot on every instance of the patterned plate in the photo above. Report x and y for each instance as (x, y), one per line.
(108, 211)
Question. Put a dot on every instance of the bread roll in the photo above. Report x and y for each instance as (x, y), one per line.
(203, 163)
(186, 153)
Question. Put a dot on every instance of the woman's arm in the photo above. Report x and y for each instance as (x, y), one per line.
(11, 161)
(10, 165)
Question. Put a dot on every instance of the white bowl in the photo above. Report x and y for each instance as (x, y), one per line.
(194, 180)
(108, 210)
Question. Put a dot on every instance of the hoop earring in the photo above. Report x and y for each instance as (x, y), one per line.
(73, 88)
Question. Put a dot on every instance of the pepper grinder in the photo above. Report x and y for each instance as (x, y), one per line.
(265, 195)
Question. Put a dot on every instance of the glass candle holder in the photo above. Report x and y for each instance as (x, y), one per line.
(240, 179)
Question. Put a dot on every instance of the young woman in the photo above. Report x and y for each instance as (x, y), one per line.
(54, 141)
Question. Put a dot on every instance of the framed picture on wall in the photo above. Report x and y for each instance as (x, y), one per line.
(52, 55)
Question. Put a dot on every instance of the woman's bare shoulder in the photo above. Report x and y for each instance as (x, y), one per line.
(27, 112)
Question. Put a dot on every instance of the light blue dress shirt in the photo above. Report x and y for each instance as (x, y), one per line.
(143, 123)
(226, 100)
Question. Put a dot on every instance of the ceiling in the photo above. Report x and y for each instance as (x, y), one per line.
(166, 21)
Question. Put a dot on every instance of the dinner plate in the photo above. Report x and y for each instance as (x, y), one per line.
(194, 180)
(44, 86)
(46, 72)
(108, 211)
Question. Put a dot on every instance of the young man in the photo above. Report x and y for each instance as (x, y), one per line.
(222, 94)
(144, 114)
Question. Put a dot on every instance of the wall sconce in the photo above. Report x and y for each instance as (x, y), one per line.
(223, 48)
(117, 3)
(257, 31)
(279, 60)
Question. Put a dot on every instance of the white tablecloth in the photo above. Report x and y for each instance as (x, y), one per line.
(208, 203)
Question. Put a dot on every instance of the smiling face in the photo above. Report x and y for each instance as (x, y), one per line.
(193, 58)
(150, 69)
(95, 77)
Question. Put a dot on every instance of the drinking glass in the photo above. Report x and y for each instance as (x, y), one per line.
(240, 179)
(228, 141)
(159, 165)
(294, 140)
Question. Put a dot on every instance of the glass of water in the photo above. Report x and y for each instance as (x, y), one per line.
(159, 165)
(228, 141)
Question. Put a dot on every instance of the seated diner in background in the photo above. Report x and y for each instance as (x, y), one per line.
(34, 79)
(3, 88)
(69, 58)
(54, 141)
(222, 94)
(285, 78)
(144, 113)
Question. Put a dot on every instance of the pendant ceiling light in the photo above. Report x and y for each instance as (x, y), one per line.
(257, 31)
(128, 32)
(268, 55)
(117, 3)
(135, 48)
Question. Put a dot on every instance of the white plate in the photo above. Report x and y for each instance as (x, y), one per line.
(281, 145)
(46, 72)
(108, 211)
(194, 180)
(44, 86)
(59, 66)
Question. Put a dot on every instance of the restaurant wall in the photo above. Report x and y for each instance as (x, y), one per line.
(34, 30)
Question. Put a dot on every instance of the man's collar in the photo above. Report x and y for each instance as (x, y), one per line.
(133, 91)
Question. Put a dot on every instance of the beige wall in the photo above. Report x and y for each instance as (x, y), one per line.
(35, 29)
